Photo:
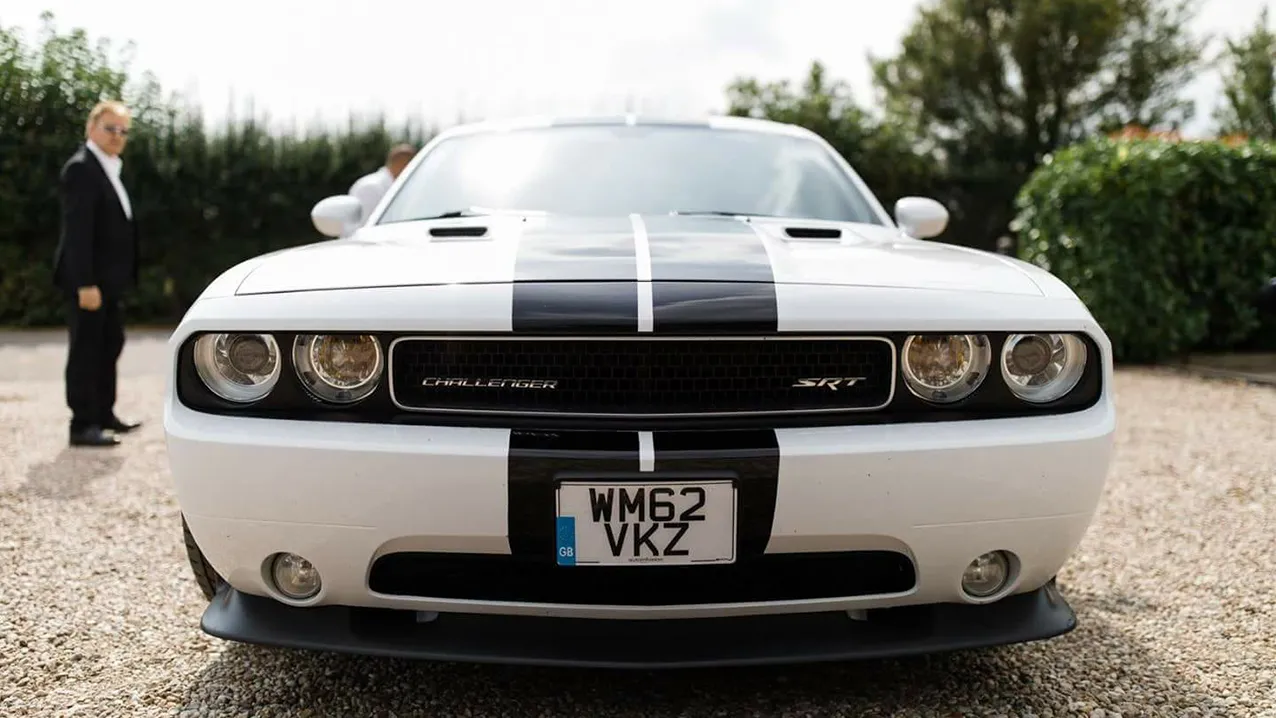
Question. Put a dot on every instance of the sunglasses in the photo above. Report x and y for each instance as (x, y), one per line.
(116, 130)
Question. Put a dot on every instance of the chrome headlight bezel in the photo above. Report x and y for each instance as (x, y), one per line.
(1069, 357)
(321, 388)
(971, 378)
(211, 357)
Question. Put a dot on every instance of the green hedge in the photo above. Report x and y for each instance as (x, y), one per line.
(1167, 242)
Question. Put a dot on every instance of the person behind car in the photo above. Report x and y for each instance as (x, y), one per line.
(370, 188)
(95, 266)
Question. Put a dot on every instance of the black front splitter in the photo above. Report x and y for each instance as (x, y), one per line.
(641, 644)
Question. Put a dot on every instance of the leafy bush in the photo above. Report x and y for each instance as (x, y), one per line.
(1166, 241)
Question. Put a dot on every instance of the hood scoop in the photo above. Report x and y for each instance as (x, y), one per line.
(459, 232)
(813, 232)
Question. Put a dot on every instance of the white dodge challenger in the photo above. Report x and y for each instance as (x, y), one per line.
(631, 393)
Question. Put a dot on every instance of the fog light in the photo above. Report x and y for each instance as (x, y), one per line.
(986, 575)
(294, 576)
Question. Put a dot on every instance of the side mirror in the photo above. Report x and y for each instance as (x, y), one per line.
(921, 217)
(337, 216)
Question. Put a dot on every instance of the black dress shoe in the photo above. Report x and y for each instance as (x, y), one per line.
(120, 427)
(92, 436)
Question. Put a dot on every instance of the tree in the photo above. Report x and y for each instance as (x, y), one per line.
(999, 84)
(1148, 65)
(1249, 84)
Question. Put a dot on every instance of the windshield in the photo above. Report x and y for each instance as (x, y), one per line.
(619, 170)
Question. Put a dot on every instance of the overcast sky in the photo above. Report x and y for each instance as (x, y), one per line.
(437, 58)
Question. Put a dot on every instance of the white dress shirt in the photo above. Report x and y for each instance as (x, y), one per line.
(113, 165)
(370, 188)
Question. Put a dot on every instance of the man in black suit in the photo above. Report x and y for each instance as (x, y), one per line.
(95, 266)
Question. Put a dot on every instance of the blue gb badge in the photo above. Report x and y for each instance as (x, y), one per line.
(566, 540)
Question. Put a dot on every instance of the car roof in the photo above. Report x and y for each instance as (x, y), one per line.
(727, 122)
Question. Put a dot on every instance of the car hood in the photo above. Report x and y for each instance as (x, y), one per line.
(504, 249)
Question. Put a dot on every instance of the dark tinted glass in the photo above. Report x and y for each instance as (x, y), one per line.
(618, 170)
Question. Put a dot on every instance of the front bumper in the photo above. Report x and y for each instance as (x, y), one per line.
(741, 641)
(345, 495)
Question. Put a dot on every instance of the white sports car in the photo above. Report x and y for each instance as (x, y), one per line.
(632, 393)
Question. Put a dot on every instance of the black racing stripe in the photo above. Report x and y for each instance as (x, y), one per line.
(536, 461)
(539, 460)
(575, 308)
(714, 308)
(709, 275)
(751, 457)
(576, 276)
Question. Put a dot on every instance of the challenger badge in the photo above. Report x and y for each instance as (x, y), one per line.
(435, 381)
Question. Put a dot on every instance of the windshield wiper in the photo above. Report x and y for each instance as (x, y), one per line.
(721, 213)
(475, 212)
(453, 214)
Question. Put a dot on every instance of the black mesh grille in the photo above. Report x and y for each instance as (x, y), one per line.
(641, 377)
(769, 577)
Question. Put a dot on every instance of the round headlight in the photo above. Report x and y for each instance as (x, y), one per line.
(238, 367)
(945, 367)
(338, 368)
(1042, 367)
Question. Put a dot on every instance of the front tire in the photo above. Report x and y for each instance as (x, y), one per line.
(210, 582)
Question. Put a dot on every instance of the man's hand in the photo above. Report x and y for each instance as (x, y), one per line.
(90, 298)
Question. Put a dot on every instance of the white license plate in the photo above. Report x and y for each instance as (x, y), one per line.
(626, 523)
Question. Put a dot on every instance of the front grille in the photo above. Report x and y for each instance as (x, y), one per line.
(642, 376)
(766, 577)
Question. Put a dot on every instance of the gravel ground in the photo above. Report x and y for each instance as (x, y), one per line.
(1173, 585)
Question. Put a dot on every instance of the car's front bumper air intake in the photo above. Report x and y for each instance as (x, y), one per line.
(755, 578)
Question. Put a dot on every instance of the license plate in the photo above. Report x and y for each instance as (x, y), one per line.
(625, 523)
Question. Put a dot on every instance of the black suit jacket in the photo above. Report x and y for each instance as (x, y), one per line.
(98, 242)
